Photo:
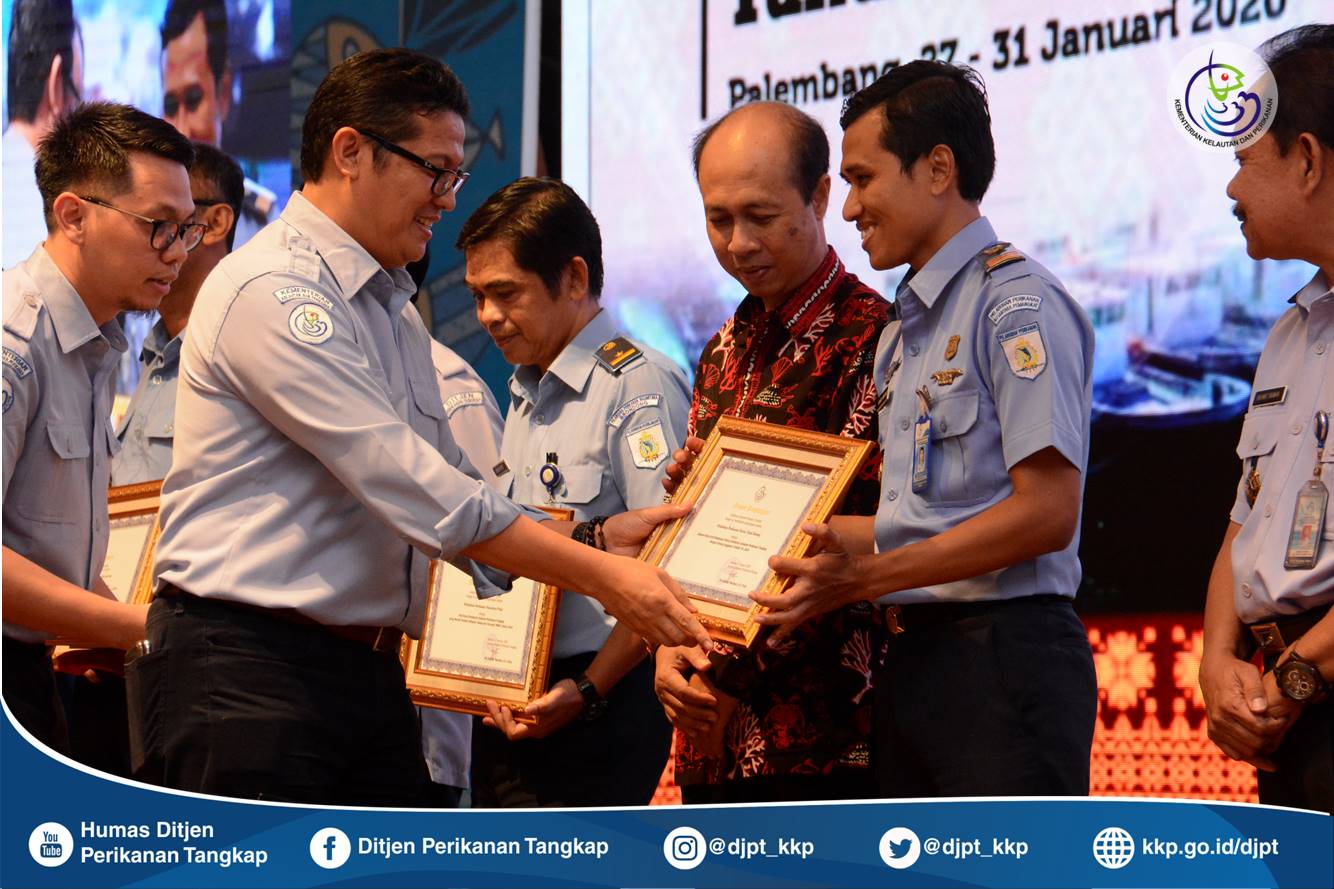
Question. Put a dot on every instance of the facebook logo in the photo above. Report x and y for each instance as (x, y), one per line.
(330, 848)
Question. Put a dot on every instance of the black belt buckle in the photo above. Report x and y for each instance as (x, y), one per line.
(1269, 637)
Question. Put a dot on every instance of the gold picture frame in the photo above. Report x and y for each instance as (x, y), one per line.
(128, 569)
(521, 668)
(719, 552)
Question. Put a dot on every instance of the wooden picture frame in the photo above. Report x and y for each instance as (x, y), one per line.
(719, 553)
(522, 666)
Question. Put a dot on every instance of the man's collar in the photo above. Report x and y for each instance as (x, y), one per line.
(158, 344)
(1317, 287)
(574, 364)
(805, 303)
(348, 261)
(928, 282)
(70, 317)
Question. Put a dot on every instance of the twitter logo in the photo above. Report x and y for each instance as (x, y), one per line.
(900, 847)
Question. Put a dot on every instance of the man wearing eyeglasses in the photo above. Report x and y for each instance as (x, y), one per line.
(314, 476)
(45, 80)
(147, 429)
(197, 89)
(116, 197)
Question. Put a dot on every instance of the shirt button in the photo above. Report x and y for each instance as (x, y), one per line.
(903, 424)
(1296, 429)
(539, 418)
(168, 429)
(1269, 510)
(156, 380)
(1246, 590)
(891, 494)
(31, 301)
(1320, 348)
(913, 350)
(944, 425)
(528, 470)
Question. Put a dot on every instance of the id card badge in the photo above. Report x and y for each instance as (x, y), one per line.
(1308, 517)
(1308, 525)
(921, 448)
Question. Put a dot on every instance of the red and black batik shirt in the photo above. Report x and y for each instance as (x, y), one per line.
(809, 364)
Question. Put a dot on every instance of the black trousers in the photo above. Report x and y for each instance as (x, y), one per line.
(30, 691)
(95, 711)
(840, 783)
(235, 702)
(986, 699)
(615, 760)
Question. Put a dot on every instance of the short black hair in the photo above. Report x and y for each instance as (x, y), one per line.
(545, 224)
(382, 91)
(1302, 62)
(216, 167)
(928, 103)
(181, 14)
(40, 31)
(809, 144)
(92, 144)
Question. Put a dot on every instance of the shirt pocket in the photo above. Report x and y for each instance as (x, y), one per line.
(61, 493)
(580, 484)
(1259, 437)
(954, 455)
(426, 396)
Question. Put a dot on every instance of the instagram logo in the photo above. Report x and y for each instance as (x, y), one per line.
(684, 848)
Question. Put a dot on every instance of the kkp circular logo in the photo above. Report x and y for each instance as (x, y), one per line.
(51, 844)
(1223, 96)
(1113, 848)
(310, 323)
(330, 848)
(684, 848)
(900, 847)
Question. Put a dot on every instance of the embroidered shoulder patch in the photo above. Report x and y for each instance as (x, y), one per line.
(310, 323)
(17, 363)
(648, 445)
(1024, 350)
(634, 404)
(287, 294)
(8, 395)
(462, 399)
(1025, 301)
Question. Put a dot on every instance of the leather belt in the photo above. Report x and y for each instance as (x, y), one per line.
(374, 638)
(928, 614)
(1274, 635)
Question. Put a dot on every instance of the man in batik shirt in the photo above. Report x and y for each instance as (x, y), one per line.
(798, 352)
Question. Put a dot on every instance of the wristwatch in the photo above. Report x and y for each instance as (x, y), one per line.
(594, 704)
(1299, 680)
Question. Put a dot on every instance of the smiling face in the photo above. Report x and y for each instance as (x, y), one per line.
(1267, 192)
(529, 323)
(127, 273)
(762, 231)
(395, 194)
(894, 211)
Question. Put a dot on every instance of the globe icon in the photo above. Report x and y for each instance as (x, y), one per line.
(1113, 848)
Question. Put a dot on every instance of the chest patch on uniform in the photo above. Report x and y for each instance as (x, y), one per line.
(615, 354)
(1265, 397)
(310, 323)
(16, 362)
(946, 377)
(648, 445)
(287, 294)
(634, 404)
(462, 399)
(8, 395)
(1024, 350)
(1022, 302)
(500, 468)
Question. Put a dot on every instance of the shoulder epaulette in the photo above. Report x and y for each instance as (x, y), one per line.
(616, 353)
(21, 318)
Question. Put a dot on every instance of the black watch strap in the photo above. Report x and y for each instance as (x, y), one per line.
(594, 704)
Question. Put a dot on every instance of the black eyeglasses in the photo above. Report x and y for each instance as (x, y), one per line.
(165, 231)
(445, 180)
(171, 103)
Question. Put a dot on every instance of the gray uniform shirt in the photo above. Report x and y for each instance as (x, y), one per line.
(59, 379)
(146, 431)
(314, 468)
(611, 430)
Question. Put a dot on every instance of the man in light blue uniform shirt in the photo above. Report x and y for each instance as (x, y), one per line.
(1273, 580)
(314, 476)
(985, 390)
(148, 427)
(592, 419)
(117, 202)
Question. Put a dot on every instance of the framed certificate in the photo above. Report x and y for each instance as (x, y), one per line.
(473, 649)
(754, 485)
(128, 569)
